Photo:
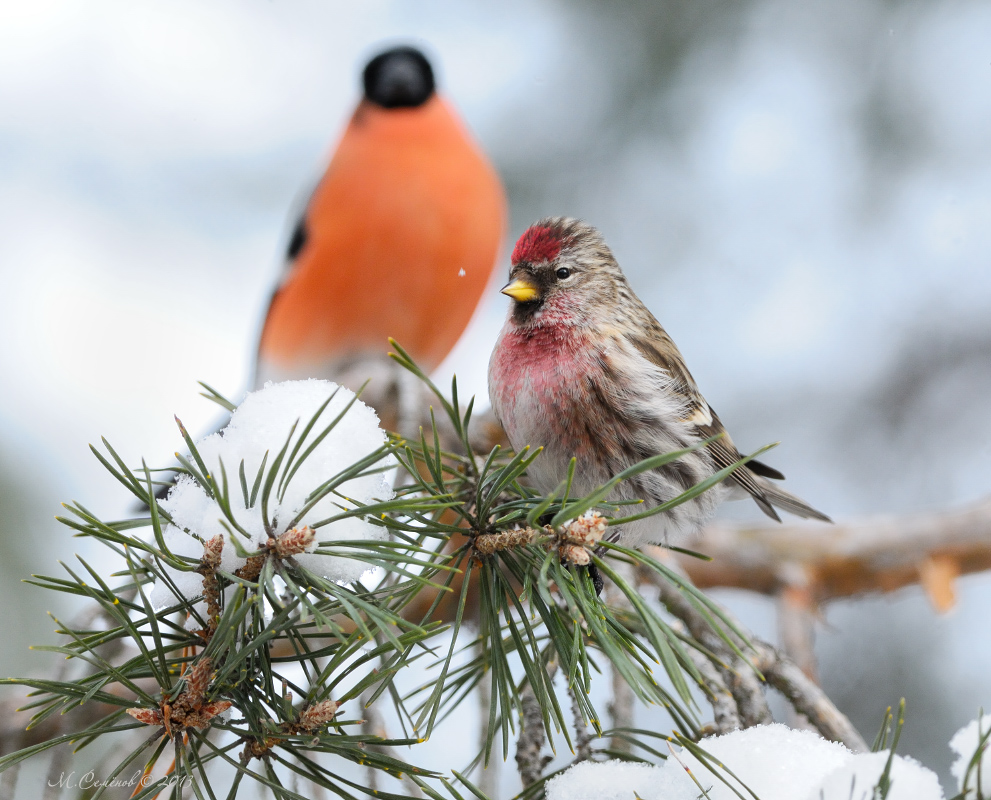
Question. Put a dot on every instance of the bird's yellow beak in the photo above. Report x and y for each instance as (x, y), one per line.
(521, 291)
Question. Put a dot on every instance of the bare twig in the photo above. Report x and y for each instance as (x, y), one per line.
(796, 633)
(374, 725)
(530, 762)
(409, 403)
(797, 618)
(747, 691)
(583, 738)
(371, 725)
(807, 698)
(726, 717)
(56, 772)
(8, 782)
(780, 671)
(738, 676)
(623, 702)
(879, 553)
(14, 733)
(621, 711)
(488, 780)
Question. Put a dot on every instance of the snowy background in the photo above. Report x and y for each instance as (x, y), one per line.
(801, 193)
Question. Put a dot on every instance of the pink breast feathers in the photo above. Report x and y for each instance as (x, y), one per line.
(533, 353)
(534, 371)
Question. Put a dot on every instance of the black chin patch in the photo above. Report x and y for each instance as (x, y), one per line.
(399, 78)
(523, 312)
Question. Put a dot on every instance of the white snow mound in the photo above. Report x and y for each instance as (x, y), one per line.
(964, 743)
(772, 761)
(856, 779)
(262, 423)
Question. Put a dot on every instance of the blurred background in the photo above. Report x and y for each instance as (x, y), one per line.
(800, 192)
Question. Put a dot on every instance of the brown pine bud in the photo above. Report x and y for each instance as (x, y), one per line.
(587, 530)
(252, 568)
(211, 554)
(197, 683)
(203, 717)
(574, 554)
(488, 543)
(317, 716)
(149, 716)
(293, 542)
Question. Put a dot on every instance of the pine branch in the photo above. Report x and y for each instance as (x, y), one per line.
(806, 697)
(465, 550)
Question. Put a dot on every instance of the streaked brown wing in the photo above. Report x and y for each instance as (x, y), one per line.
(725, 454)
(660, 350)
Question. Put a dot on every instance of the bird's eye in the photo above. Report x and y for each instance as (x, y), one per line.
(563, 273)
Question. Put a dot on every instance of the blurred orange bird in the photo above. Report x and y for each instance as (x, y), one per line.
(399, 238)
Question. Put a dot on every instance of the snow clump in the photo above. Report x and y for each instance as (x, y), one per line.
(856, 779)
(773, 761)
(965, 743)
(261, 424)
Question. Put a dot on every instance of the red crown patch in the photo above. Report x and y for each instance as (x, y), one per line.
(538, 243)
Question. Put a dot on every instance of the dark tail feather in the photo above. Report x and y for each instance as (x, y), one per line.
(763, 501)
(760, 468)
(788, 502)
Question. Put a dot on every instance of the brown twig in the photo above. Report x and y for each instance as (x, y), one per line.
(583, 738)
(797, 618)
(738, 676)
(726, 716)
(14, 735)
(621, 711)
(878, 553)
(189, 709)
(208, 567)
(56, 772)
(281, 547)
(8, 782)
(742, 679)
(530, 761)
(807, 698)
(623, 702)
(374, 725)
(310, 720)
(488, 779)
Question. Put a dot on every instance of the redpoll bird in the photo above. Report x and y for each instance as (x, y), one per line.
(584, 369)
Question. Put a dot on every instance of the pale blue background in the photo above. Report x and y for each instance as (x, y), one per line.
(800, 191)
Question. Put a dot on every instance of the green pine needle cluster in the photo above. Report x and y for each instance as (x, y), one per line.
(273, 680)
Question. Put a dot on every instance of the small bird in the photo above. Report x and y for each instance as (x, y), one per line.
(583, 368)
(399, 239)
